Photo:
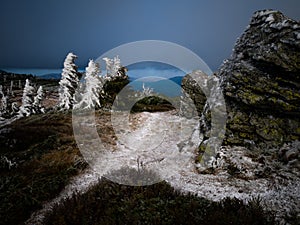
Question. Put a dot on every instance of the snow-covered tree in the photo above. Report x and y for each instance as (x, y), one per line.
(14, 109)
(114, 68)
(11, 87)
(109, 67)
(37, 101)
(3, 104)
(147, 91)
(27, 100)
(1, 91)
(90, 98)
(68, 83)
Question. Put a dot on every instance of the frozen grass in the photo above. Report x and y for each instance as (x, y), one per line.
(44, 157)
(48, 159)
(111, 203)
(237, 174)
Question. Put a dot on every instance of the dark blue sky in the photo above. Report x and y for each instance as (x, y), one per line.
(39, 34)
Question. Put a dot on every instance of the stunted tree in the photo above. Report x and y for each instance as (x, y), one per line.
(114, 69)
(14, 109)
(90, 97)
(114, 80)
(109, 68)
(37, 101)
(27, 100)
(147, 91)
(3, 106)
(116, 66)
(11, 88)
(68, 83)
(1, 91)
(1, 96)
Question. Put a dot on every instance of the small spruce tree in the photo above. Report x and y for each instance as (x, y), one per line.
(37, 101)
(27, 100)
(114, 69)
(14, 109)
(3, 106)
(109, 68)
(68, 83)
(90, 98)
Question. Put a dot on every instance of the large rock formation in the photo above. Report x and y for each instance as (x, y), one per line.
(261, 84)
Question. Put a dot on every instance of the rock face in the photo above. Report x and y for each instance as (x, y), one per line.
(261, 84)
(194, 92)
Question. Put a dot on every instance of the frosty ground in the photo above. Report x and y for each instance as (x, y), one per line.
(166, 143)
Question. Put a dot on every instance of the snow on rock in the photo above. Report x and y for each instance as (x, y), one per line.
(260, 83)
(262, 13)
(270, 18)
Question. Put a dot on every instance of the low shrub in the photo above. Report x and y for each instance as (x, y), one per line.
(111, 203)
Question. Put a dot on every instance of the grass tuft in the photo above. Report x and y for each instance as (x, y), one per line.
(111, 203)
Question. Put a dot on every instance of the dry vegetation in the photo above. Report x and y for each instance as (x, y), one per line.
(41, 158)
(111, 203)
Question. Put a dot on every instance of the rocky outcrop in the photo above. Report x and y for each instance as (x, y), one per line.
(261, 84)
(194, 92)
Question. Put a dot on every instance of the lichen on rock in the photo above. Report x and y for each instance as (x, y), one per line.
(261, 84)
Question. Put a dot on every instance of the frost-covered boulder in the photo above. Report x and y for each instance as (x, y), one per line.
(261, 84)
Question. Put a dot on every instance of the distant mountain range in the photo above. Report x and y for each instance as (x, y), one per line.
(55, 76)
(170, 87)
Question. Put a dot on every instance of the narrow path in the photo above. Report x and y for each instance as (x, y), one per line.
(165, 143)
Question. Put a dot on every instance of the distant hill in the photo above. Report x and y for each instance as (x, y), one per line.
(55, 76)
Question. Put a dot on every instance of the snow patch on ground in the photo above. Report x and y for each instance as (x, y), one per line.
(166, 143)
(79, 184)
